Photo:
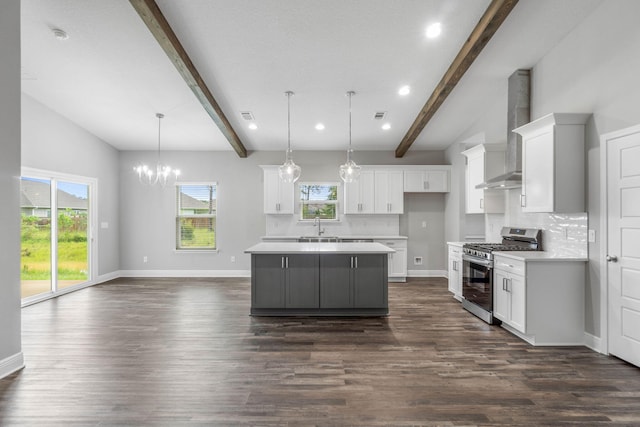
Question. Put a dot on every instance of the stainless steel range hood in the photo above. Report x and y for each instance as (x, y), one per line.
(518, 106)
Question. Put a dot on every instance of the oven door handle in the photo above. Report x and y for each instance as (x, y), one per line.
(479, 261)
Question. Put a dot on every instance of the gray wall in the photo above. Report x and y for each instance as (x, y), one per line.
(147, 214)
(10, 340)
(595, 70)
(53, 143)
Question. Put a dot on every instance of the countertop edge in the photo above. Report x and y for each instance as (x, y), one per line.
(539, 256)
(318, 248)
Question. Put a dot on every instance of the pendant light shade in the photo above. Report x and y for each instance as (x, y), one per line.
(350, 171)
(161, 174)
(289, 171)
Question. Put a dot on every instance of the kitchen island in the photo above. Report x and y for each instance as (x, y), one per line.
(319, 279)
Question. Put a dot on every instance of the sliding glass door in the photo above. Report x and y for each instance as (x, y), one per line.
(35, 251)
(73, 233)
(56, 234)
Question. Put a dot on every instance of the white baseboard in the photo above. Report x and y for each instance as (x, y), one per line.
(109, 276)
(11, 364)
(185, 273)
(427, 273)
(594, 343)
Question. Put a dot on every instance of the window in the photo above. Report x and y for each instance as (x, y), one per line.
(196, 216)
(318, 200)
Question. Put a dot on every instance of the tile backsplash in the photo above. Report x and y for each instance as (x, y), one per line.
(562, 234)
(349, 225)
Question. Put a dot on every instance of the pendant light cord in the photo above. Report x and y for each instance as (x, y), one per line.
(349, 94)
(288, 93)
(159, 116)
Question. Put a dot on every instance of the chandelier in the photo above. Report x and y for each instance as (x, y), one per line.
(350, 171)
(289, 171)
(161, 174)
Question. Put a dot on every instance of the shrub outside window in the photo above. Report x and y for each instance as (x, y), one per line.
(318, 200)
(196, 216)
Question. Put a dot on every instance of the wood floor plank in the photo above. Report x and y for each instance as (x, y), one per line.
(173, 352)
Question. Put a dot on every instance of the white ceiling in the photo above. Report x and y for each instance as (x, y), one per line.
(111, 76)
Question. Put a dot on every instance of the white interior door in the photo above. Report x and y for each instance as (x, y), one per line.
(623, 247)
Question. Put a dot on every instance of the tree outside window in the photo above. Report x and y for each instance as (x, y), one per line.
(197, 209)
(318, 200)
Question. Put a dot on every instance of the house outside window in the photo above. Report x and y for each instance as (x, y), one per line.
(318, 200)
(196, 216)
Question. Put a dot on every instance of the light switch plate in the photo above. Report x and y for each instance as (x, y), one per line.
(592, 236)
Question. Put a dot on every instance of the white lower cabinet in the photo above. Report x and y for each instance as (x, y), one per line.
(397, 260)
(509, 294)
(541, 301)
(455, 270)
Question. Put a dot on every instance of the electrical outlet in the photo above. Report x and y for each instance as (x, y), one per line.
(592, 236)
(145, 259)
(233, 259)
(417, 260)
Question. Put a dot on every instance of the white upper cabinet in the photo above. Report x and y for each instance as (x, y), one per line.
(484, 162)
(553, 160)
(359, 196)
(389, 191)
(427, 180)
(278, 195)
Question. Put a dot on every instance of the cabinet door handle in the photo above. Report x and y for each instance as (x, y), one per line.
(523, 200)
(503, 285)
(282, 262)
(455, 265)
(286, 262)
(351, 262)
(481, 203)
(356, 261)
(509, 285)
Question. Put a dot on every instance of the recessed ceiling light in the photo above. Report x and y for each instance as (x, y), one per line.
(253, 126)
(60, 34)
(319, 126)
(404, 90)
(386, 126)
(434, 30)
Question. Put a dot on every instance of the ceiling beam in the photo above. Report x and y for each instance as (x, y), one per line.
(162, 31)
(493, 17)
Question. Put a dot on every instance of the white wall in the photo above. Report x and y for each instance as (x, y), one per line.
(148, 214)
(10, 340)
(594, 70)
(51, 142)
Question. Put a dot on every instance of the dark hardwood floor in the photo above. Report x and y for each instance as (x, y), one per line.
(175, 352)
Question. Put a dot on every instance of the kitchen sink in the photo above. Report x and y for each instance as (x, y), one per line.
(318, 239)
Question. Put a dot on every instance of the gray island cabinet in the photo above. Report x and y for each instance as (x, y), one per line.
(319, 279)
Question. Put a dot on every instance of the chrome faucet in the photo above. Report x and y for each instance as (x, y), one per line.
(316, 223)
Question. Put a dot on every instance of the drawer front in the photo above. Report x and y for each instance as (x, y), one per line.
(509, 265)
(393, 243)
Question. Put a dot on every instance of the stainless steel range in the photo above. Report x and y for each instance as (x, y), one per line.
(477, 271)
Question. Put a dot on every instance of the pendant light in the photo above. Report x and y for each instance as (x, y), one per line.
(162, 173)
(289, 171)
(350, 171)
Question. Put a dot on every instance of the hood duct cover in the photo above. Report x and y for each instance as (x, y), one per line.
(518, 114)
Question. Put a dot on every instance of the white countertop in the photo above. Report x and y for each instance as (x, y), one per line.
(458, 244)
(357, 236)
(532, 256)
(318, 248)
